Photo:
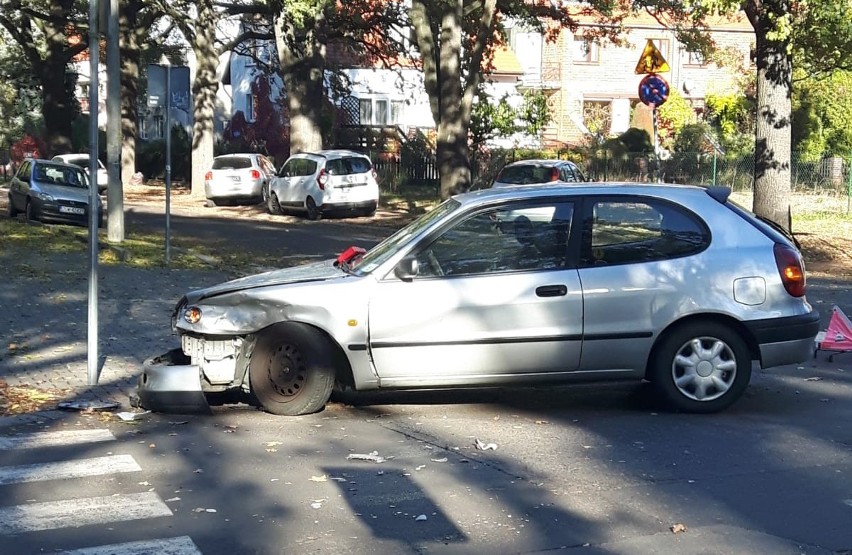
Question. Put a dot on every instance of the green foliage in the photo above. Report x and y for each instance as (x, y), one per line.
(151, 156)
(492, 117)
(822, 115)
(672, 116)
(20, 96)
(732, 117)
(633, 140)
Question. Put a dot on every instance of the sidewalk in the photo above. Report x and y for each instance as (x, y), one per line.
(45, 323)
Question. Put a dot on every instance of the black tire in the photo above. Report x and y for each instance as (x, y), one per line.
(29, 212)
(312, 209)
(700, 367)
(11, 210)
(220, 202)
(369, 211)
(272, 204)
(264, 193)
(291, 371)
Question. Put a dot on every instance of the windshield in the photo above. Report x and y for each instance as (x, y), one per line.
(61, 174)
(390, 246)
(525, 174)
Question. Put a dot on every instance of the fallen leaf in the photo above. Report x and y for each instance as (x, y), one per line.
(677, 528)
(319, 478)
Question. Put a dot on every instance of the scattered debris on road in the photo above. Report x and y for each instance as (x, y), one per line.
(485, 446)
(371, 457)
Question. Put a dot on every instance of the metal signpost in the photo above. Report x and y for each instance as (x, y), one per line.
(653, 90)
(166, 93)
(92, 351)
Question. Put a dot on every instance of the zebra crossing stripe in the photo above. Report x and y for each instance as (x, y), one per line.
(72, 513)
(40, 472)
(52, 439)
(182, 545)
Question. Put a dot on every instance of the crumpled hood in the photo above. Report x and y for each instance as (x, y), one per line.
(318, 271)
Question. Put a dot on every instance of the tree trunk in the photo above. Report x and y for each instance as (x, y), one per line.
(204, 88)
(772, 179)
(130, 59)
(303, 81)
(56, 108)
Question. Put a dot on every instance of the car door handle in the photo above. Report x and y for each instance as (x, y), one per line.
(551, 291)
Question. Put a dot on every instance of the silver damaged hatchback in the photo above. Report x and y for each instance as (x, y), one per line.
(514, 286)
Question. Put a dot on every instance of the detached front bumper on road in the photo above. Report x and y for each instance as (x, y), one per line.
(169, 383)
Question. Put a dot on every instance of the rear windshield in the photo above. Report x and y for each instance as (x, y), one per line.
(525, 174)
(231, 163)
(348, 165)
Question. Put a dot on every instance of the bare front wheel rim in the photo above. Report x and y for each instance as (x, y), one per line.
(286, 371)
(704, 369)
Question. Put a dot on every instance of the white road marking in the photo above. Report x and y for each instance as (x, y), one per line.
(86, 511)
(40, 472)
(182, 545)
(52, 439)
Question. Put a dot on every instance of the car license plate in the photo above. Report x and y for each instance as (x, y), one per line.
(71, 210)
(236, 178)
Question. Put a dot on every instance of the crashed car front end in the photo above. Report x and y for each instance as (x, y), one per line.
(217, 330)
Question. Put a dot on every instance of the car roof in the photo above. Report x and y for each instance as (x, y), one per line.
(539, 162)
(665, 190)
(246, 154)
(332, 153)
(53, 162)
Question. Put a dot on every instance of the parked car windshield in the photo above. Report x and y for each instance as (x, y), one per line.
(525, 174)
(231, 162)
(390, 246)
(56, 174)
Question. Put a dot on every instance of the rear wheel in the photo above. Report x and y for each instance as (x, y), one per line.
(312, 209)
(701, 367)
(272, 204)
(291, 370)
(264, 193)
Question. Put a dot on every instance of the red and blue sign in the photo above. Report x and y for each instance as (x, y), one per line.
(653, 90)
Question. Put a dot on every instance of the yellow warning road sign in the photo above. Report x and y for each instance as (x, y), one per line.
(651, 60)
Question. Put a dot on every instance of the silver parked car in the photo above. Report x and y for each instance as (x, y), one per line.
(514, 286)
(238, 178)
(51, 191)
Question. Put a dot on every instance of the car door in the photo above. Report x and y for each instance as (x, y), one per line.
(19, 187)
(637, 276)
(496, 299)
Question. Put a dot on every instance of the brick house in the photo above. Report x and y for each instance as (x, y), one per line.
(581, 76)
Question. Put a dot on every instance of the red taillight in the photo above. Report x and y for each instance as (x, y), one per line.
(554, 174)
(322, 179)
(255, 174)
(791, 268)
(208, 176)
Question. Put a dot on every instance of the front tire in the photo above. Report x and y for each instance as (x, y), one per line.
(312, 209)
(701, 367)
(29, 212)
(291, 371)
(272, 204)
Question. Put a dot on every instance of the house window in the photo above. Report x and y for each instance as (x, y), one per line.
(143, 127)
(381, 112)
(663, 46)
(695, 59)
(586, 51)
(251, 107)
(159, 127)
(366, 111)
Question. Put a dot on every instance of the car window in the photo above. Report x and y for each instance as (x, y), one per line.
(525, 174)
(231, 162)
(357, 164)
(55, 174)
(510, 238)
(625, 231)
(24, 171)
(335, 167)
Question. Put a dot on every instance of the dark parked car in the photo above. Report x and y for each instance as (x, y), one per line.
(538, 172)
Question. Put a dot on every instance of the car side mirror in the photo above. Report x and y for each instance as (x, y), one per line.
(407, 269)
